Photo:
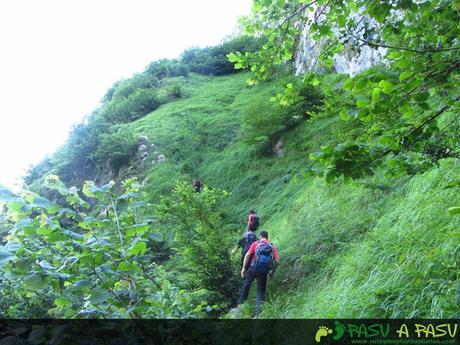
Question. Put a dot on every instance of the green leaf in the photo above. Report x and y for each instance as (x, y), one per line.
(287, 55)
(422, 96)
(44, 231)
(362, 101)
(128, 267)
(386, 86)
(42, 202)
(53, 182)
(456, 5)
(454, 210)
(35, 281)
(407, 110)
(376, 97)
(99, 296)
(404, 75)
(138, 249)
(45, 265)
(155, 237)
(360, 84)
(7, 196)
(6, 256)
(452, 184)
(22, 223)
(107, 187)
(404, 63)
(82, 284)
(91, 190)
(348, 84)
(62, 302)
(138, 229)
(74, 199)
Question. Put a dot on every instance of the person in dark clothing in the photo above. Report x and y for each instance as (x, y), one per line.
(260, 261)
(197, 185)
(245, 242)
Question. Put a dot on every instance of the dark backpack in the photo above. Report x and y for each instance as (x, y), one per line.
(197, 185)
(248, 239)
(263, 261)
(255, 223)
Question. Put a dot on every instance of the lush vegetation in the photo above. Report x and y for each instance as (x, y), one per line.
(406, 109)
(99, 253)
(355, 178)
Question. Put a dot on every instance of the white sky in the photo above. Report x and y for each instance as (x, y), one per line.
(58, 57)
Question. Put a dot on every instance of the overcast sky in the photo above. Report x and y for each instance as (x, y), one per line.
(58, 57)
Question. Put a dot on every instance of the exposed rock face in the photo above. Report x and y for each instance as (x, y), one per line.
(161, 158)
(142, 148)
(279, 148)
(143, 140)
(349, 61)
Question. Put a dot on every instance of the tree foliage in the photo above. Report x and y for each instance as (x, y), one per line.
(201, 241)
(213, 60)
(88, 253)
(407, 109)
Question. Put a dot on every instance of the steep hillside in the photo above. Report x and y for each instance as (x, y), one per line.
(355, 178)
(377, 247)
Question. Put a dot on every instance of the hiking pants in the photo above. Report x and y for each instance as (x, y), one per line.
(261, 287)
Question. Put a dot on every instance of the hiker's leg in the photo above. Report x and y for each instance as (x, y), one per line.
(248, 279)
(261, 287)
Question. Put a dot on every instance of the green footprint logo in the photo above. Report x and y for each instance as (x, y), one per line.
(339, 331)
(322, 332)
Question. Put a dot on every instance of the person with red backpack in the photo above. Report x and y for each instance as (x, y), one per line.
(253, 221)
(260, 261)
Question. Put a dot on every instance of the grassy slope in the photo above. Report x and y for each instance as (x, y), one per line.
(347, 250)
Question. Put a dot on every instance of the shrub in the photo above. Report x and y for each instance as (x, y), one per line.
(166, 68)
(201, 241)
(264, 122)
(124, 88)
(38, 171)
(138, 81)
(73, 161)
(213, 60)
(136, 105)
(117, 147)
(171, 89)
(99, 265)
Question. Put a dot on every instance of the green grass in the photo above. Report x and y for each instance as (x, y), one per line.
(351, 252)
(348, 249)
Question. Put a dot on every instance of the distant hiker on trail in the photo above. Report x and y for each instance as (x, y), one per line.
(253, 221)
(260, 261)
(197, 185)
(249, 237)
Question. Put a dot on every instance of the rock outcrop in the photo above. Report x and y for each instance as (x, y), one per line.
(350, 60)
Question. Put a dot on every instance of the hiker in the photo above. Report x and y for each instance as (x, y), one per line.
(249, 237)
(260, 261)
(253, 221)
(197, 185)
